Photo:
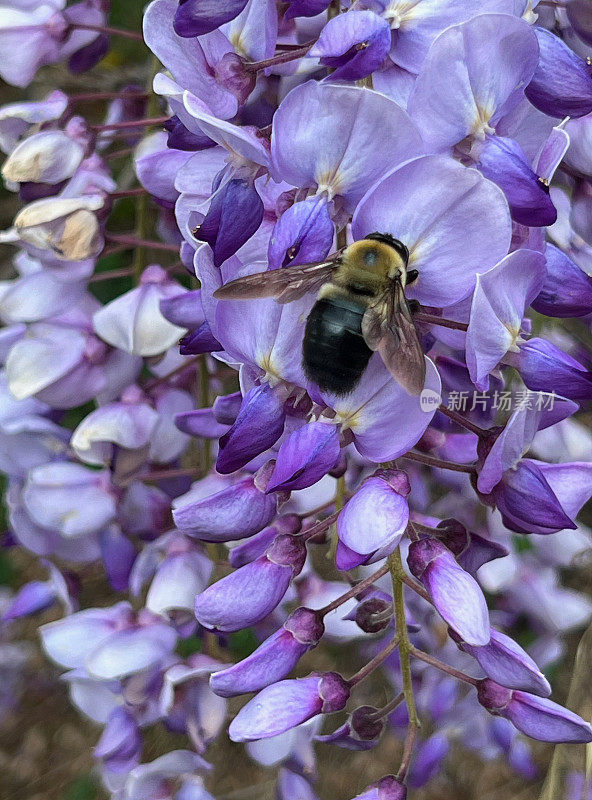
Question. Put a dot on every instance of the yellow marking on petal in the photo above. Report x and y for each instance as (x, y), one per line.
(400, 12)
(272, 374)
(481, 126)
(237, 42)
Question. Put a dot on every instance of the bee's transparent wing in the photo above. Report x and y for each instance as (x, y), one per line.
(388, 328)
(285, 284)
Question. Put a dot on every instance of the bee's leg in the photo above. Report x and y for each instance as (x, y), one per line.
(412, 275)
(414, 305)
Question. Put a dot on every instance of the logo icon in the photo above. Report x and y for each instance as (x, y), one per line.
(429, 400)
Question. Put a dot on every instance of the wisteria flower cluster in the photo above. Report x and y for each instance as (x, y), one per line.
(417, 543)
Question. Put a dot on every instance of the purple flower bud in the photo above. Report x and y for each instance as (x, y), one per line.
(455, 594)
(428, 759)
(388, 788)
(303, 234)
(196, 17)
(259, 425)
(249, 594)
(286, 704)
(503, 161)
(275, 658)
(235, 213)
(353, 44)
(361, 731)
(305, 457)
(256, 546)
(504, 661)
(534, 716)
(120, 745)
(374, 613)
(527, 503)
(376, 517)
(544, 367)
(567, 291)
(470, 550)
(562, 82)
(232, 513)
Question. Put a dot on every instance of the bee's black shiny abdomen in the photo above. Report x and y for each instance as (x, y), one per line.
(334, 351)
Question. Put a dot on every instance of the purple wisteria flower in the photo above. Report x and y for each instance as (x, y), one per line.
(202, 519)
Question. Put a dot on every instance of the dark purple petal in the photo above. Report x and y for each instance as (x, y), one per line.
(305, 457)
(89, 56)
(361, 731)
(305, 8)
(503, 161)
(196, 17)
(562, 83)
(353, 44)
(180, 138)
(200, 341)
(259, 425)
(235, 213)
(470, 550)
(303, 234)
(118, 555)
(536, 717)
(527, 503)
(567, 291)
(505, 662)
(546, 368)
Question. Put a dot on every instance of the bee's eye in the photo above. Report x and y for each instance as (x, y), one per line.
(401, 250)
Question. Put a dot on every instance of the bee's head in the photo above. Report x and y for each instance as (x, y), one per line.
(386, 238)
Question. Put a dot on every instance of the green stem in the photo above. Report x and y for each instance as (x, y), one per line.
(334, 9)
(397, 572)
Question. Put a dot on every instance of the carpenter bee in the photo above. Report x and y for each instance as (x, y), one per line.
(360, 308)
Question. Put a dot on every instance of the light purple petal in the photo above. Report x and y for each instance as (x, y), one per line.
(340, 139)
(452, 220)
